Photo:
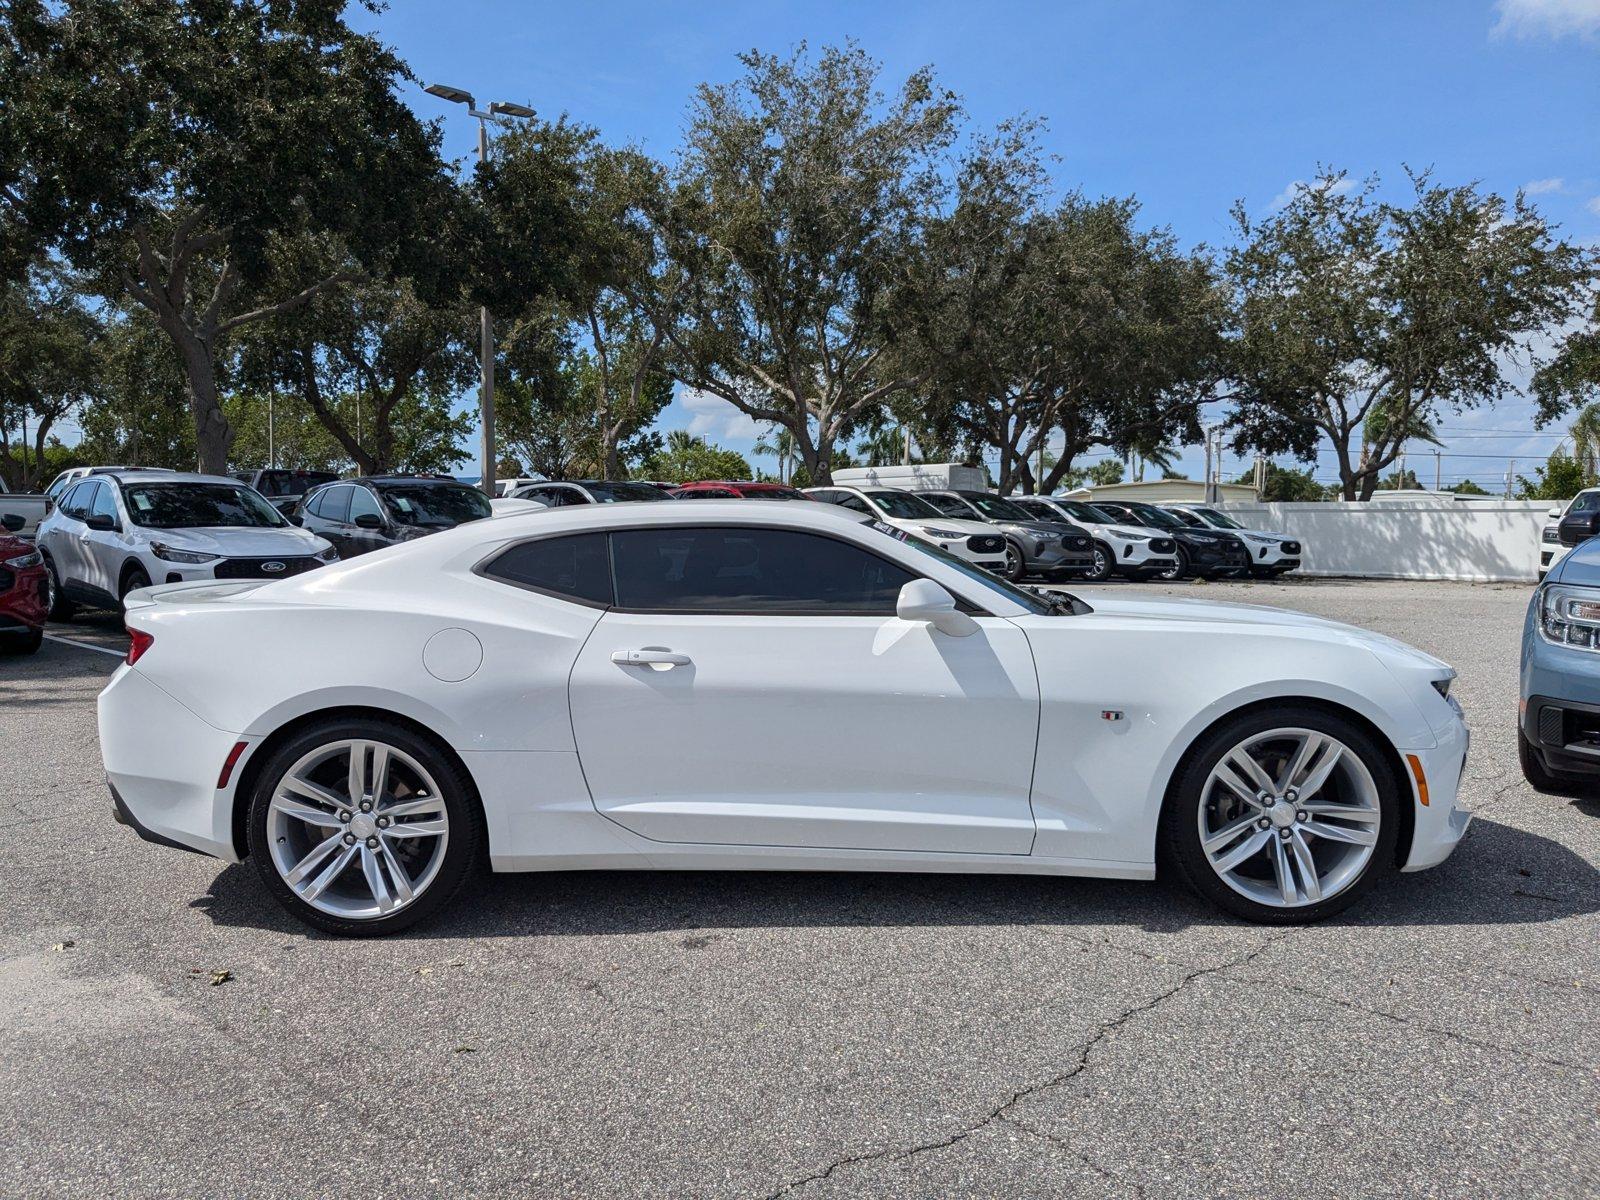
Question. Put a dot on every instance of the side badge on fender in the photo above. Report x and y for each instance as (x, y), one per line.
(1111, 714)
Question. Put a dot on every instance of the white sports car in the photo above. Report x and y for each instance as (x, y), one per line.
(727, 685)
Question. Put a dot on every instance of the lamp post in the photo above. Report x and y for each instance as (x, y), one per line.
(498, 110)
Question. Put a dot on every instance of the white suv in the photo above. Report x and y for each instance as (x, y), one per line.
(114, 532)
(1270, 553)
(1132, 551)
(979, 542)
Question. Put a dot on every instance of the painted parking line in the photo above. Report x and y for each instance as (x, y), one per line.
(50, 637)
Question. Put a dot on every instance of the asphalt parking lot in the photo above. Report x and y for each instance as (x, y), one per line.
(166, 1030)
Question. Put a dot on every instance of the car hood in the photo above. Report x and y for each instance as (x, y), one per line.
(233, 542)
(1580, 566)
(1133, 531)
(11, 546)
(1212, 612)
(1041, 528)
(955, 524)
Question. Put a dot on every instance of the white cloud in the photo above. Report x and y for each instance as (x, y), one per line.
(1594, 205)
(1540, 187)
(1547, 18)
(713, 418)
(1296, 186)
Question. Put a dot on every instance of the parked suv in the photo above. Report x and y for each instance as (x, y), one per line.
(285, 488)
(1271, 554)
(1207, 553)
(590, 491)
(1558, 731)
(1033, 547)
(977, 542)
(358, 515)
(115, 532)
(1127, 550)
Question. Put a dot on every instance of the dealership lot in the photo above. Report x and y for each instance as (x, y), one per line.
(166, 1029)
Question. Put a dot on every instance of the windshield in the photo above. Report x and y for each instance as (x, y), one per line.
(950, 506)
(1149, 514)
(1188, 518)
(617, 493)
(903, 506)
(292, 483)
(198, 506)
(997, 508)
(440, 505)
(1031, 601)
(774, 494)
(1219, 518)
(1087, 513)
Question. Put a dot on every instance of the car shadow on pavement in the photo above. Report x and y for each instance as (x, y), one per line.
(1500, 876)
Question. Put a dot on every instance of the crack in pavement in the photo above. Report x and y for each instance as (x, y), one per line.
(1452, 1035)
(1001, 1112)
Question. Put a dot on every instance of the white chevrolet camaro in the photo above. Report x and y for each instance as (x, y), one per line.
(728, 685)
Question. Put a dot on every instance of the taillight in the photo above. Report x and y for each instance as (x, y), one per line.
(228, 765)
(138, 642)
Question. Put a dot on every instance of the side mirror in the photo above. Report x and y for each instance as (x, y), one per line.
(369, 521)
(101, 522)
(11, 522)
(1554, 514)
(924, 600)
(1578, 527)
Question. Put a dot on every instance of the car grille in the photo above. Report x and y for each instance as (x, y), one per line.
(981, 543)
(1075, 543)
(1162, 545)
(1551, 535)
(257, 568)
(1290, 547)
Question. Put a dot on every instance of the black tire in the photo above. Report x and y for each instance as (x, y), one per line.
(465, 849)
(1104, 564)
(1540, 777)
(1179, 836)
(1177, 571)
(133, 578)
(22, 643)
(61, 609)
(1016, 565)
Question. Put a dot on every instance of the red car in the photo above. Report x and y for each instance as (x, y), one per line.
(24, 592)
(723, 489)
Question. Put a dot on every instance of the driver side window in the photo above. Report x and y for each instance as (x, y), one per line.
(363, 504)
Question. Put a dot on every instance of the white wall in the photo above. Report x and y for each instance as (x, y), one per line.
(1496, 540)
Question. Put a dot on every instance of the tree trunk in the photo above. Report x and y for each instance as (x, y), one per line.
(213, 435)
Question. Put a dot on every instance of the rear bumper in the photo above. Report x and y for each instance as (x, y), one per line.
(162, 764)
(23, 605)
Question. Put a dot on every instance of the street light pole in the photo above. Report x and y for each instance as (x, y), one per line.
(498, 110)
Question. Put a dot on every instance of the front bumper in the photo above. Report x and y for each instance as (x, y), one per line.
(162, 764)
(1440, 824)
(1210, 557)
(225, 569)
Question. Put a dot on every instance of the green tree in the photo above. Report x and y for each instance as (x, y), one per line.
(1585, 432)
(1572, 377)
(138, 414)
(170, 146)
(48, 367)
(800, 193)
(1466, 488)
(1286, 484)
(687, 457)
(1344, 304)
(1101, 474)
(1561, 478)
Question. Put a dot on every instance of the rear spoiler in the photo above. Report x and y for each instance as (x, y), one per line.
(194, 590)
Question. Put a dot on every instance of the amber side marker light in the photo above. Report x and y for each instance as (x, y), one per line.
(1420, 777)
(233, 761)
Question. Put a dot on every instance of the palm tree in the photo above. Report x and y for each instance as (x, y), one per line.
(780, 442)
(1585, 433)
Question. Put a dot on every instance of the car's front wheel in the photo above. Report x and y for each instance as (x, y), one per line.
(362, 827)
(1016, 566)
(1178, 569)
(1284, 816)
(1100, 569)
(61, 609)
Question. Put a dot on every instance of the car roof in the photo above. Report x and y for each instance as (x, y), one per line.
(141, 475)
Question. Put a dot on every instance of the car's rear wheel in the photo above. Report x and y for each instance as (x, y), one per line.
(1284, 816)
(1178, 569)
(133, 578)
(1100, 570)
(361, 827)
(1015, 566)
(27, 642)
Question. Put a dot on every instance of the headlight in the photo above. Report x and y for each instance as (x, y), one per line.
(1259, 538)
(1135, 537)
(23, 561)
(935, 531)
(1570, 616)
(173, 554)
(331, 554)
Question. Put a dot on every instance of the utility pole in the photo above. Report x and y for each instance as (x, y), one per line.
(497, 111)
(1437, 474)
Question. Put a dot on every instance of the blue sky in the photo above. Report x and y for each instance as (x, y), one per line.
(1186, 106)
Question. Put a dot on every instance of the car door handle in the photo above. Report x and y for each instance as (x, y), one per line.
(645, 658)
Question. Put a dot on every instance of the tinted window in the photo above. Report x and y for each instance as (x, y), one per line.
(950, 506)
(750, 571)
(853, 503)
(618, 493)
(364, 503)
(997, 508)
(1585, 502)
(434, 505)
(104, 504)
(903, 505)
(75, 501)
(198, 506)
(335, 503)
(573, 567)
(706, 494)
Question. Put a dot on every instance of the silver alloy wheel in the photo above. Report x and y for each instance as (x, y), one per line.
(1175, 571)
(358, 829)
(1013, 562)
(1102, 563)
(1289, 817)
